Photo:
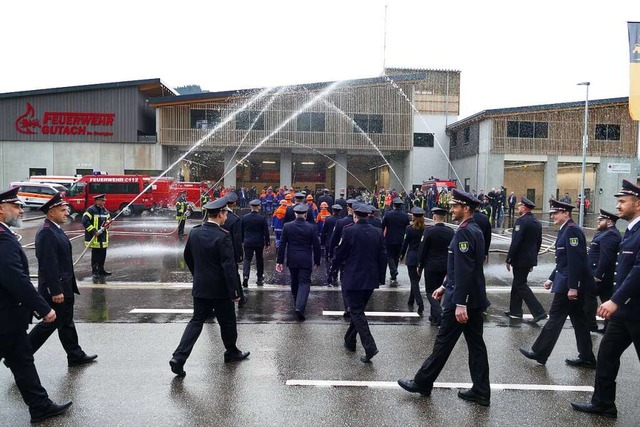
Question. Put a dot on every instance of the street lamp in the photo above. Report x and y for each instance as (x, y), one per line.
(585, 144)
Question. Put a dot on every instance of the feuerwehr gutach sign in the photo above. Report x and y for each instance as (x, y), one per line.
(65, 123)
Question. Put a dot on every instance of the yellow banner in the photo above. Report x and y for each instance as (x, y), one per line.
(634, 70)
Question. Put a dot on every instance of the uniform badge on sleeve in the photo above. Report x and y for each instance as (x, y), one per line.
(463, 246)
(573, 241)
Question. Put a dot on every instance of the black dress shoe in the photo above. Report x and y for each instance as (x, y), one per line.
(236, 356)
(95, 275)
(350, 347)
(260, 282)
(300, 316)
(539, 317)
(83, 360)
(420, 310)
(533, 356)
(367, 357)
(51, 411)
(590, 408)
(412, 387)
(105, 273)
(346, 314)
(589, 364)
(472, 396)
(177, 368)
(512, 315)
(245, 283)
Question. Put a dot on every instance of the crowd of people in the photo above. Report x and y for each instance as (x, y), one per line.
(360, 239)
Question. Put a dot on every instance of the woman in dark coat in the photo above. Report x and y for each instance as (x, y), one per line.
(409, 253)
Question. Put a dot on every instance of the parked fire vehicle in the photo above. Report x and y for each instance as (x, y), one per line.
(165, 192)
(439, 184)
(64, 180)
(36, 194)
(119, 189)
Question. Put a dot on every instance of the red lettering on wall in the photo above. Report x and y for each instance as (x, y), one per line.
(63, 123)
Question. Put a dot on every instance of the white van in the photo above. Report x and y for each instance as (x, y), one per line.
(35, 194)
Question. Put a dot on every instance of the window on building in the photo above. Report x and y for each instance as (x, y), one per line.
(517, 129)
(245, 120)
(467, 135)
(369, 123)
(205, 119)
(85, 171)
(311, 122)
(37, 171)
(608, 132)
(423, 140)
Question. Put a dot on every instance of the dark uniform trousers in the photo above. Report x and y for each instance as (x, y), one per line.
(300, 287)
(204, 308)
(432, 281)
(561, 307)
(393, 257)
(414, 278)
(448, 335)
(248, 257)
(602, 290)
(98, 257)
(66, 330)
(617, 338)
(357, 301)
(18, 356)
(520, 291)
(181, 224)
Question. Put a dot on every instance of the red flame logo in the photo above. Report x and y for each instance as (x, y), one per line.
(25, 123)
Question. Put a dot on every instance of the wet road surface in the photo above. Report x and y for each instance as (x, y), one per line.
(131, 383)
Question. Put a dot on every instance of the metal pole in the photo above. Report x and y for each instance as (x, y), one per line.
(585, 144)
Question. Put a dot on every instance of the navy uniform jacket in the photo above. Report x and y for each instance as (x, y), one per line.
(465, 283)
(525, 242)
(337, 232)
(255, 230)
(300, 241)
(362, 251)
(411, 246)
(602, 253)
(327, 230)
(572, 266)
(290, 215)
(375, 222)
(394, 224)
(342, 202)
(483, 222)
(234, 226)
(18, 298)
(55, 262)
(434, 248)
(209, 256)
(626, 292)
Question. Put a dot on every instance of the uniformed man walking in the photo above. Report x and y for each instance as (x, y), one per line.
(96, 221)
(233, 225)
(622, 310)
(602, 253)
(336, 235)
(432, 259)
(18, 302)
(362, 251)
(301, 245)
(464, 300)
(255, 238)
(526, 240)
(394, 224)
(181, 213)
(325, 238)
(569, 282)
(209, 256)
(57, 283)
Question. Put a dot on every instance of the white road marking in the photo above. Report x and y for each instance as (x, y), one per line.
(530, 317)
(375, 313)
(161, 311)
(393, 384)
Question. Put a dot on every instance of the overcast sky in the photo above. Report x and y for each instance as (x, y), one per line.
(510, 53)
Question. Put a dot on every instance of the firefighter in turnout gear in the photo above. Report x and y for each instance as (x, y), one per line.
(96, 221)
(181, 213)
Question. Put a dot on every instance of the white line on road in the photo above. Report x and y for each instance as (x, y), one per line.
(161, 311)
(530, 317)
(375, 313)
(392, 384)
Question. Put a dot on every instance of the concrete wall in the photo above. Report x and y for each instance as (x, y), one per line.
(467, 168)
(610, 183)
(424, 162)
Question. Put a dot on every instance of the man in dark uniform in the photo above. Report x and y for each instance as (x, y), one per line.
(96, 221)
(464, 301)
(18, 302)
(602, 254)
(290, 215)
(326, 197)
(394, 224)
(181, 213)
(325, 238)
(301, 245)
(622, 310)
(362, 251)
(432, 258)
(569, 282)
(512, 207)
(57, 283)
(210, 258)
(255, 238)
(373, 219)
(484, 223)
(233, 225)
(343, 203)
(335, 239)
(523, 256)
